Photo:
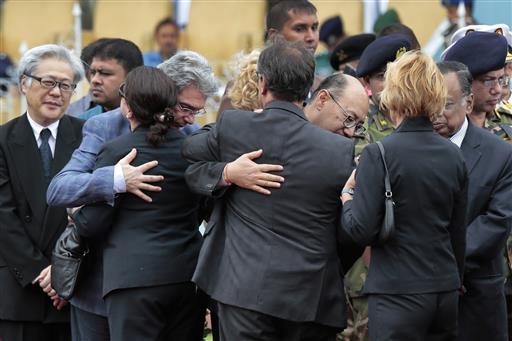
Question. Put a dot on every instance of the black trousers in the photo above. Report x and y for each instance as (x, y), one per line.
(242, 324)
(86, 326)
(166, 312)
(418, 317)
(34, 331)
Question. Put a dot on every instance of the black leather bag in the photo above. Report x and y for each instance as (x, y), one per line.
(388, 225)
(67, 257)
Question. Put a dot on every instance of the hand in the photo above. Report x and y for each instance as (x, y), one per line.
(247, 174)
(59, 303)
(45, 282)
(351, 182)
(135, 179)
(42, 274)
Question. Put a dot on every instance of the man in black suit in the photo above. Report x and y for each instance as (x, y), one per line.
(33, 147)
(482, 308)
(271, 261)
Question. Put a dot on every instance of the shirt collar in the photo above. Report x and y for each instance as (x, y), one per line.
(37, 128)
(458, 137)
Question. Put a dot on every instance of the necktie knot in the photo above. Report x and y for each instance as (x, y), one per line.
(45, 135)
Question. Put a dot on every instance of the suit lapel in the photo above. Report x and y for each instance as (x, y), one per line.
(28, 165)
(64, 146)
(470, 147)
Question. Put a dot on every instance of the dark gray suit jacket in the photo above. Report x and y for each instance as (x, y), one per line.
(274, 254)
(28, 227)
(482, 313)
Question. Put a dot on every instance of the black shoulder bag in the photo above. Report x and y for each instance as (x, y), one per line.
(67, 257)
(388, 225)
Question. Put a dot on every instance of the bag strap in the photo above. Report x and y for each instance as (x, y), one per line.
(387, 184)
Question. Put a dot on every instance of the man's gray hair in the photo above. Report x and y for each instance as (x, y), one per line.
(187, 68)
(33, 57)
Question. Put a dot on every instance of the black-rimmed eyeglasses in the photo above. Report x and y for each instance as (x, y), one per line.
(50, 83)
(349, 121)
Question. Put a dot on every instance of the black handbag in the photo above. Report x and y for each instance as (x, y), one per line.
(67, 257)
(388, 225)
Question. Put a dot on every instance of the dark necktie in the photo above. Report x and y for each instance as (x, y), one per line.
(46, 152)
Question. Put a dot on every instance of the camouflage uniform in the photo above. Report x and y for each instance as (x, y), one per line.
(377, 127)
(500, 122)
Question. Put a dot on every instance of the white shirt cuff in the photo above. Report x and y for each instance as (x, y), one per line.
(119, 183)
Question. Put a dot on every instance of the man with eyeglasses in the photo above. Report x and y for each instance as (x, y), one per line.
(482, 305)
(484, 54)
(79, 183)
(33, 147)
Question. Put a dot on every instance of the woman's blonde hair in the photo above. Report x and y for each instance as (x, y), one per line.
(244, 92)
(413, 86)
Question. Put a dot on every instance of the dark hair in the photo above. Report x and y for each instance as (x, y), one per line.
(402, 29)
(288, 69)
(164, 22)
(335, 83)
(151, 96)
(89, 51)
(463, 75)
(278, 14)
(126, 53)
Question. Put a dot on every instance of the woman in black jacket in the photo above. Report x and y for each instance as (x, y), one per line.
(151, 249)
(415, 275)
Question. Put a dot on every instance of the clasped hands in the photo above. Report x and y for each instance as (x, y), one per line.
(44, 280)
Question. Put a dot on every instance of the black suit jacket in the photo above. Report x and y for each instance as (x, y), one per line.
(28, 227)
(147, 244)
(489, 161)
(274, 254)
(429, 184)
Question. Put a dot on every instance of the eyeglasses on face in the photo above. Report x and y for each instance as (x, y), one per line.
(502, 81)
(50, 83)
(349, 121)
(190, 111)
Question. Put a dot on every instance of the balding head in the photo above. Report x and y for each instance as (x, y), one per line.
(339, 101)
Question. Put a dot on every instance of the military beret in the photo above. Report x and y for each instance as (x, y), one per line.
(481, 52)
(331, 30)
(382, 51)
(350, 49)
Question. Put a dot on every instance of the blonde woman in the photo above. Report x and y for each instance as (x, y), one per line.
(414, 276)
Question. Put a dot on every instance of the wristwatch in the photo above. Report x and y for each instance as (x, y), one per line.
(347, 190)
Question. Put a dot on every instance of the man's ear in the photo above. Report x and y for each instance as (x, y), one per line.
(470, 100)
(320, 99)
(271, 32)
(23, 85)
(262, 86)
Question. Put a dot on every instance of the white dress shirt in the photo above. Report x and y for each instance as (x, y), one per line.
(37, 128)
(458, 137)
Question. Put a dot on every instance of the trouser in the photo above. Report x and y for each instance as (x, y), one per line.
(241, 324)
(165, 312)
(33, 331)
(413, 317)
(86, 326)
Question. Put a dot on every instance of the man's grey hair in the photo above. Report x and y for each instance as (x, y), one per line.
(187, 68)
(335, 84)
(33, 57)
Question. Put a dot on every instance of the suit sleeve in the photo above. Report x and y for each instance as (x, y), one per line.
(362, 217)
(23, 257)
(487, 233)
(202, 150)
(77, 184)
(458, 224)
